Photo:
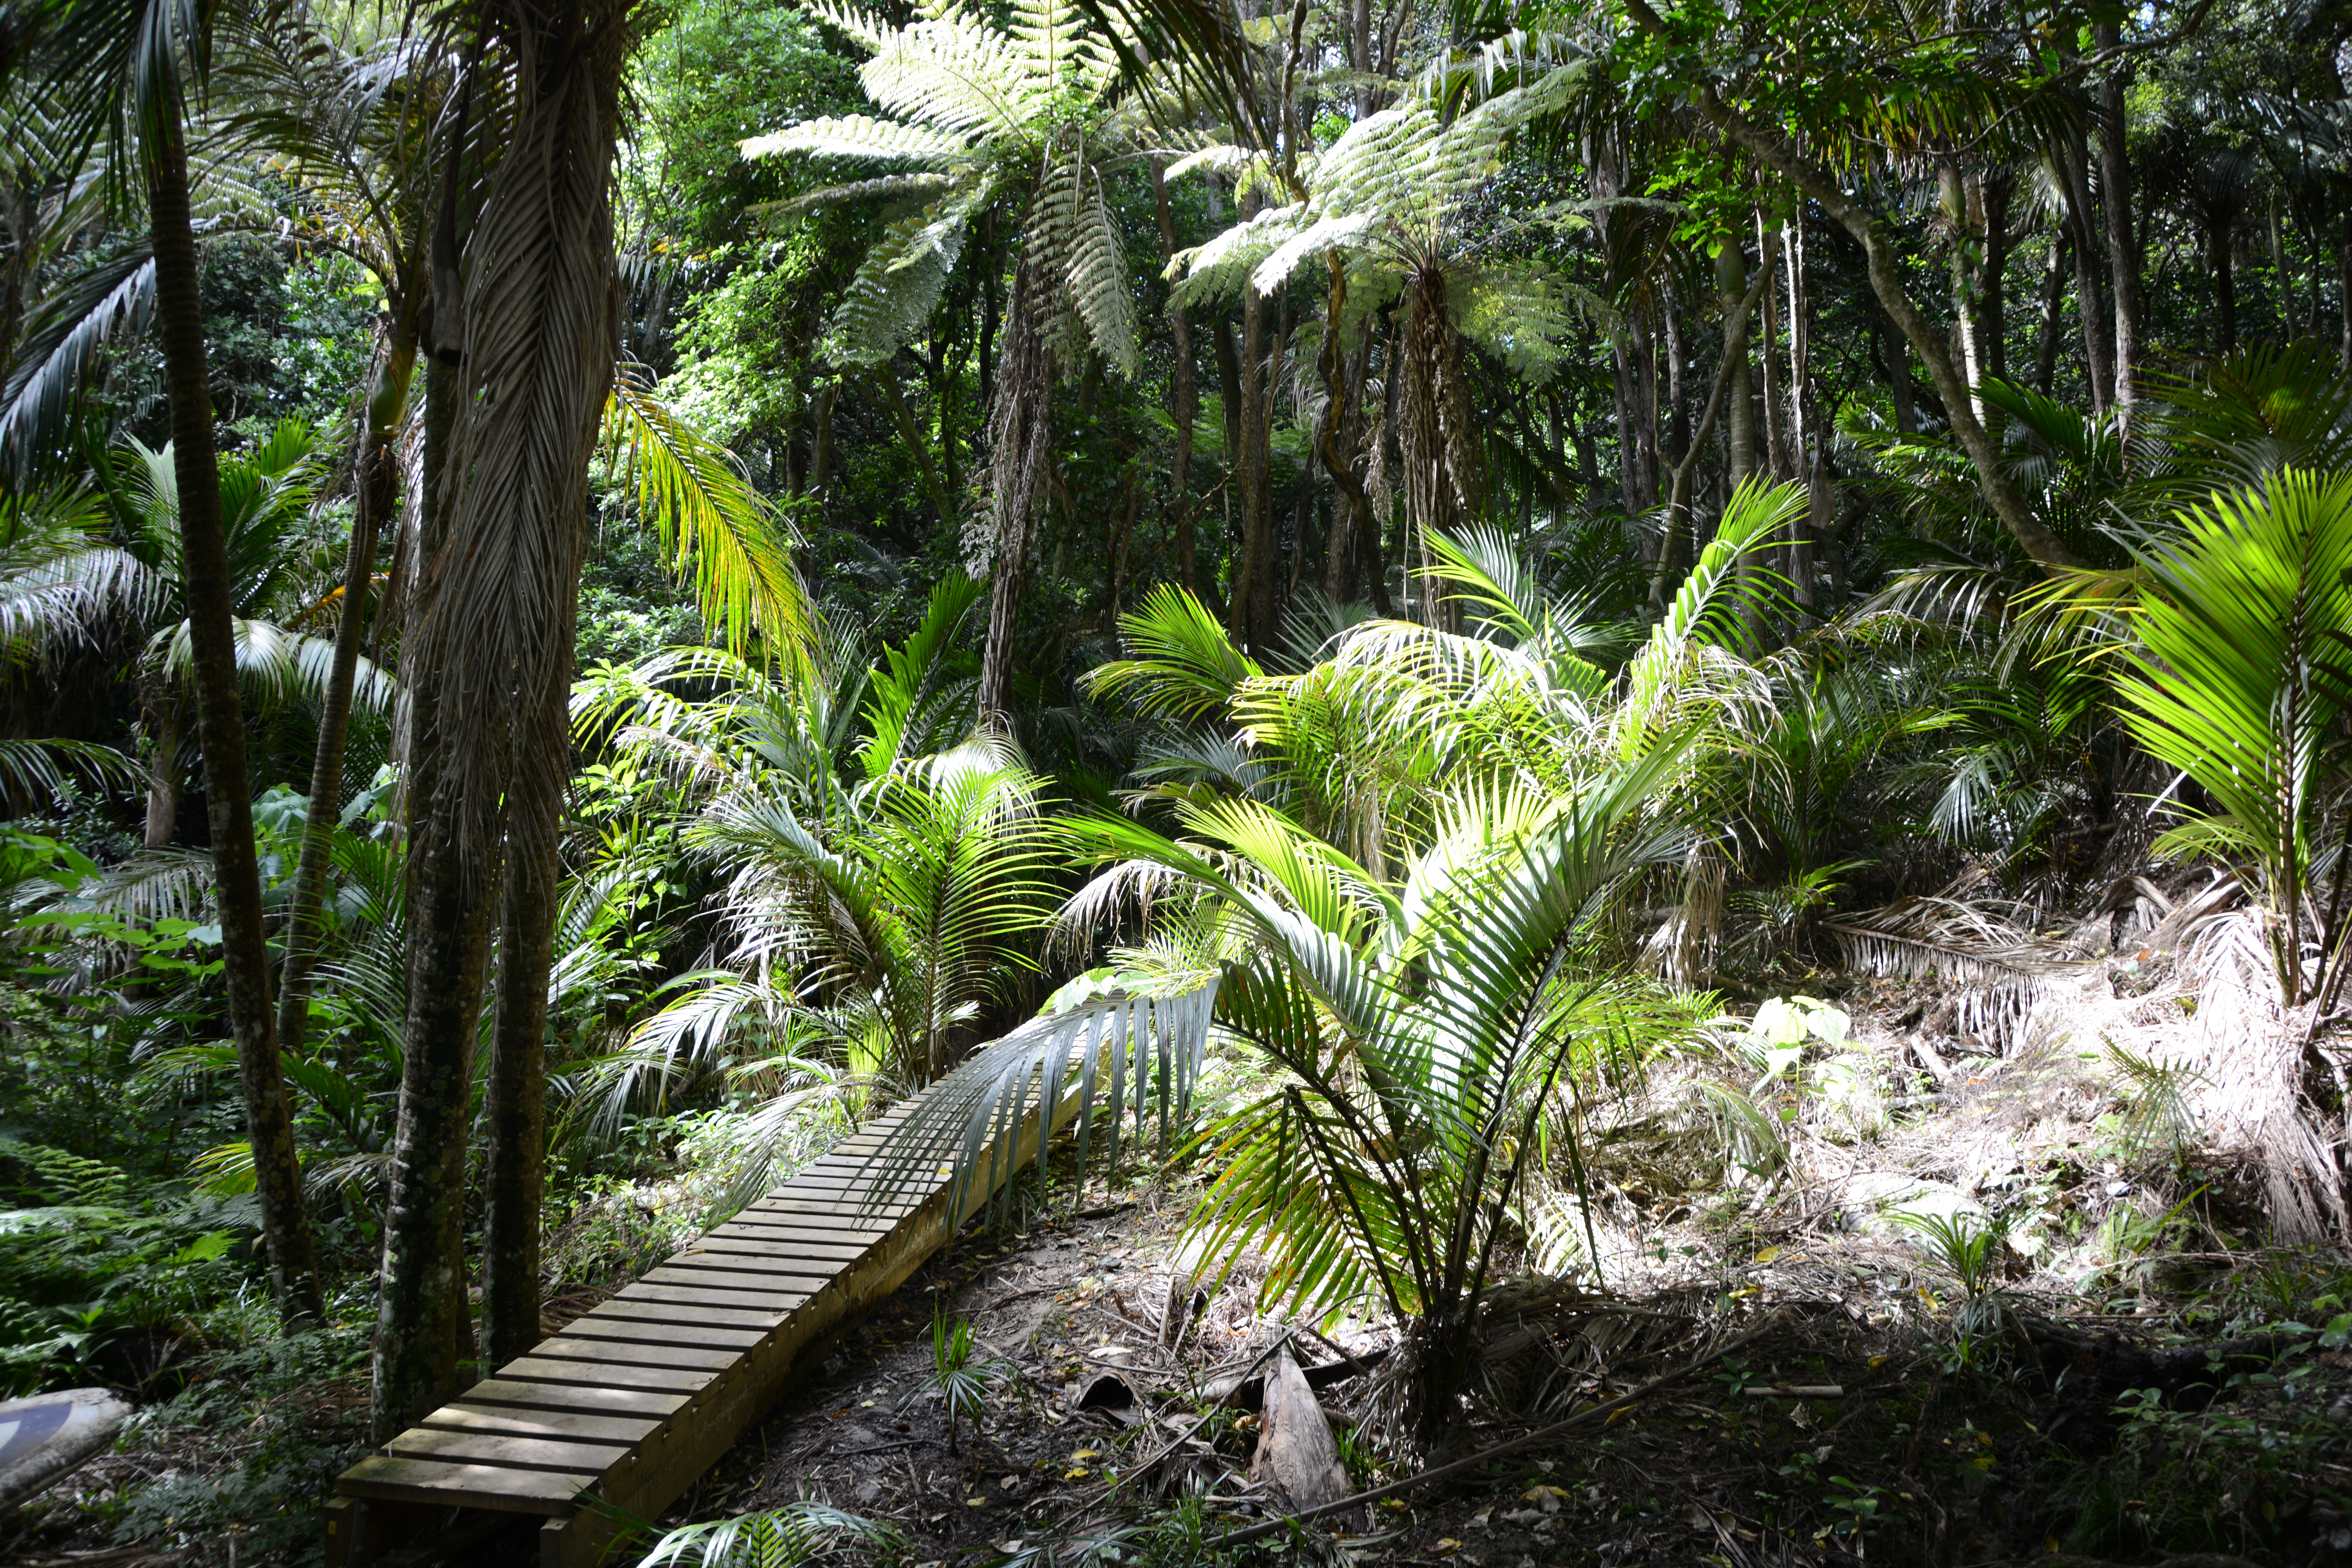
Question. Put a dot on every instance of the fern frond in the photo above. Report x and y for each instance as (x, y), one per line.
(861, 136)
(898, 281)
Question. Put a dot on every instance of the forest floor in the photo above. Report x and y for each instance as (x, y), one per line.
(1900, 1403)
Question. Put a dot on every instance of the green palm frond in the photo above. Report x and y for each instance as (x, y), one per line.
(711, 519)
(58, 352)
(2242, 665)
(787, 1537)
(1180, 663)
(34, 772)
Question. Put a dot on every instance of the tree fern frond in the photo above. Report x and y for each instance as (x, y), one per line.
(1096, 276)
(956, 73)
(861, 136)
(898, 281)
(860, 24)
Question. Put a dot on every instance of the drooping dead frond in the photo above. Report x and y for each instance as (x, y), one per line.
(1999, 964)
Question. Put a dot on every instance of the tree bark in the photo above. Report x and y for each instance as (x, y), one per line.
(1772, 149)
(1731, 289)
(1249, 618)
(514, 1101)
(1442, 484)
(163, 777)
(2122, 242)
(2220, 274)
(372, 499)
(1020, 448)
(542, 322)
(220, 730)
(1188, 400)
(2053, 300)
(2096, 357)
(421, 1294)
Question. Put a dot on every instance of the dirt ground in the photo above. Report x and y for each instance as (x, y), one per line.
(1891, 1453)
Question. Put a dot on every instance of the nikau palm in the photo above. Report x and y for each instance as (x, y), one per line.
(1012, 119)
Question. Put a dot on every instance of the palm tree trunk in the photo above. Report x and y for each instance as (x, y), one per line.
(220, 729)
(421, 1296)
(542, 327)
(162, 766)
(372, 499)
(2053, 296)
(1249, 616)
(1731, 288)
(514, 1106)
(2218, 269)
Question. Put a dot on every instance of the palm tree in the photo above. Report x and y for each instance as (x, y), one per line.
(1014, 118)
(266, 497)
(882, 861)
(121, 71)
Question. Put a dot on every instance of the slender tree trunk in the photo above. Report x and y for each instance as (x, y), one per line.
(1805, 417)
(2221, 272)
(1776, 447)
(451, 894)
(2053, 300)
(1020, 438)
(2096, 359)
(1249, 617)
(1898, 372)
(1993, 193)
(1187, 402)
(514, 1100)
(163, 777)
(2122, 241)
(220, 731)
(1966, 254)
(1731, 288)
(372, 499)
(1769, 147)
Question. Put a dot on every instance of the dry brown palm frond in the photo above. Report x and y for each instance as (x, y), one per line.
(1999, 964)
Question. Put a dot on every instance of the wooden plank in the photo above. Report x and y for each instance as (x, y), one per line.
(592, 1399)
(702, 1325)
(591, 1459)
(636, 1353)
(608, 1374)
(754, 1293)
(753, 1257)
(747, 1284)
(779, 1244)
(462, 1486)
(564, 1425)
(619, 1343)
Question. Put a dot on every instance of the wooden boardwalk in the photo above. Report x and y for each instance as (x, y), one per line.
(633, 1401)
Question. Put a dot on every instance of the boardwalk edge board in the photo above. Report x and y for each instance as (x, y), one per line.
(628, 1405)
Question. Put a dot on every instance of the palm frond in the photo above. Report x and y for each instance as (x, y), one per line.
(712, 520)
